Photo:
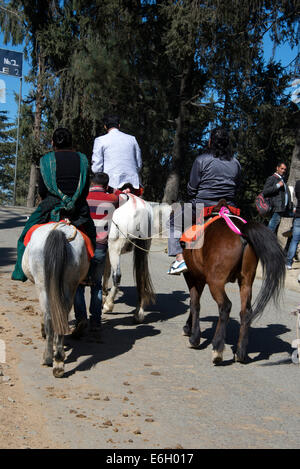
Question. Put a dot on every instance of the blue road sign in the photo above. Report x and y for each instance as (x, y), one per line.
(11, 63)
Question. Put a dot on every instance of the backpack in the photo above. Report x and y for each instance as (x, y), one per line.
(263, 205)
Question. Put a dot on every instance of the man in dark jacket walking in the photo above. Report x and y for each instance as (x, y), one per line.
(277, 190)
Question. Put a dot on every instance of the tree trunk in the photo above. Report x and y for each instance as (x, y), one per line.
(295, 163)
(286, 223)
(172, 184)
(31, 196)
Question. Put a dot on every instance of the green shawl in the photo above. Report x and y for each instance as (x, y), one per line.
(48, 172)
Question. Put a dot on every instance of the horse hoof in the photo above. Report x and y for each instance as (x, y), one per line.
(241, 358)
(217, 357)
(47, 360)
(107, 308)
(43, 331)
(48, 363)
(138, 319)
(186, 331)
(58, 371)
(194, 343)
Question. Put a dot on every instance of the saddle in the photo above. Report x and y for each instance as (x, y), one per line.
(221, 210)
(208, 211)
(87, 241)
(138, 192)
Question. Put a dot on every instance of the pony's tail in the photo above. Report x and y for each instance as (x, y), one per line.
(56, 259)
(141, 271)
(272, 258)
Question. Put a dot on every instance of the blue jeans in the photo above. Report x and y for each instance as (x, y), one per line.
(276, 217)
(294, 243)
(274, 221)
(96, 271)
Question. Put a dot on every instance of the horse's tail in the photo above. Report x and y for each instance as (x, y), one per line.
(56, 254)
(141, 271)
(272, 258)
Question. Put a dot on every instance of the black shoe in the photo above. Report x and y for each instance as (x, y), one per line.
(95, 331)
(79, 328)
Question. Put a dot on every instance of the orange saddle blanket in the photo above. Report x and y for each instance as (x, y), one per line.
(194, 232)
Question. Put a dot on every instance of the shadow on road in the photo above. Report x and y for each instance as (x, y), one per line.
(12, 221)
(167, 305)
(264, 341)
(116, 341)
(7, 256)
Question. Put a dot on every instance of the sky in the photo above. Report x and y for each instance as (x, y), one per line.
(284, 54)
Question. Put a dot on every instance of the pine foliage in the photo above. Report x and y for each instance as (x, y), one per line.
(171, 69)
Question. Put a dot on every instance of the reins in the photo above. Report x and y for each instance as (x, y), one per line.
(136, 237)
(223, 213)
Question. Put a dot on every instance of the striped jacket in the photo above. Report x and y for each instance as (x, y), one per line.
(102, 206)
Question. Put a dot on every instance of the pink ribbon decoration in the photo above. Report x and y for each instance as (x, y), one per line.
(225, 213)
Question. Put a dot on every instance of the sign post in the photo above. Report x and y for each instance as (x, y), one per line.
(11, 63)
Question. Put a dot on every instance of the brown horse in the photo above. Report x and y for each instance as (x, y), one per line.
(226, 257)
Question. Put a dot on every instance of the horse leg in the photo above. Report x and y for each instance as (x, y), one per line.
(224, 305)
(46, 326)
(105, 279)
(48, 352)
(43, 332)
(192, 326)
(245, 281)
(59, 356)
(195, 335)
(187, 328)
(108, 306)
(246, 316)
(142, 278)
(114, 256)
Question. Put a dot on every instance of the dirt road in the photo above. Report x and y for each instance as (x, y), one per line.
(142, 386)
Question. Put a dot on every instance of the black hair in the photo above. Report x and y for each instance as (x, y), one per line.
(101, 179)
(127, 185)
(280, 163)
(220, 144)
(62, 138)
(110, 121)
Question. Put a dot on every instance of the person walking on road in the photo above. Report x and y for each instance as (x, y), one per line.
(277, 191)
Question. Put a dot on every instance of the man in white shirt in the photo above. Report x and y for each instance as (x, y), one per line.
(117, 154)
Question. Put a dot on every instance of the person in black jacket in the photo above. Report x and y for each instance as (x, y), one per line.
(277, 191)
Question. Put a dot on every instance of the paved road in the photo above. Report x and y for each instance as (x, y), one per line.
(143, 387)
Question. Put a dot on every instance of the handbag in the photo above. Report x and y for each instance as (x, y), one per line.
(263, 205)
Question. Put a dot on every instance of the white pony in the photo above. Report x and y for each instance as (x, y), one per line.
(56, 260)
(130, 229)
